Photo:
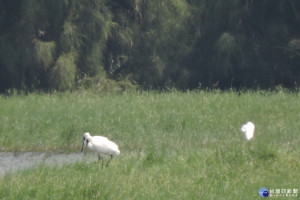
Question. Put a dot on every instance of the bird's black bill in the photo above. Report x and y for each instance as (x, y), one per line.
(82, 147)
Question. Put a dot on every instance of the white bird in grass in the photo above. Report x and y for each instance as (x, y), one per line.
(100, 144)
(248, 129)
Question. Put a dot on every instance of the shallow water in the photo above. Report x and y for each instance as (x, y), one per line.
(12, 162)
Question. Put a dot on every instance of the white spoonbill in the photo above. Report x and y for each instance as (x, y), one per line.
(100, 144)
(248, 130)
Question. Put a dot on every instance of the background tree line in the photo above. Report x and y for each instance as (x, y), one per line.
(186, 44)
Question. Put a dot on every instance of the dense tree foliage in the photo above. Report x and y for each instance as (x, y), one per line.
(186, 44)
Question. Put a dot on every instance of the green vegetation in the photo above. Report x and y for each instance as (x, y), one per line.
(53, 45)
(173, 145)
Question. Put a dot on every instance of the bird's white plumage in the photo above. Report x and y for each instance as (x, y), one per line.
(248, 129)
(101, 145)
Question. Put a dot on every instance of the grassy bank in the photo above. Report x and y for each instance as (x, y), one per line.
(173, 145)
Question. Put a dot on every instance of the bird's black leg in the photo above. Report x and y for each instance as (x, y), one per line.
(109, 160)
(100, 158)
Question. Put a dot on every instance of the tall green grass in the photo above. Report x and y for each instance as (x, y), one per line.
(173, 145)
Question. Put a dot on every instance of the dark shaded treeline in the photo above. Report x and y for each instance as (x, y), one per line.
(186, 44)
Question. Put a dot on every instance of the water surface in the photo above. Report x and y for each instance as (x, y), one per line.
(12, 162)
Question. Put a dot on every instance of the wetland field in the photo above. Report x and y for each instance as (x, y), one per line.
(174, 145)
